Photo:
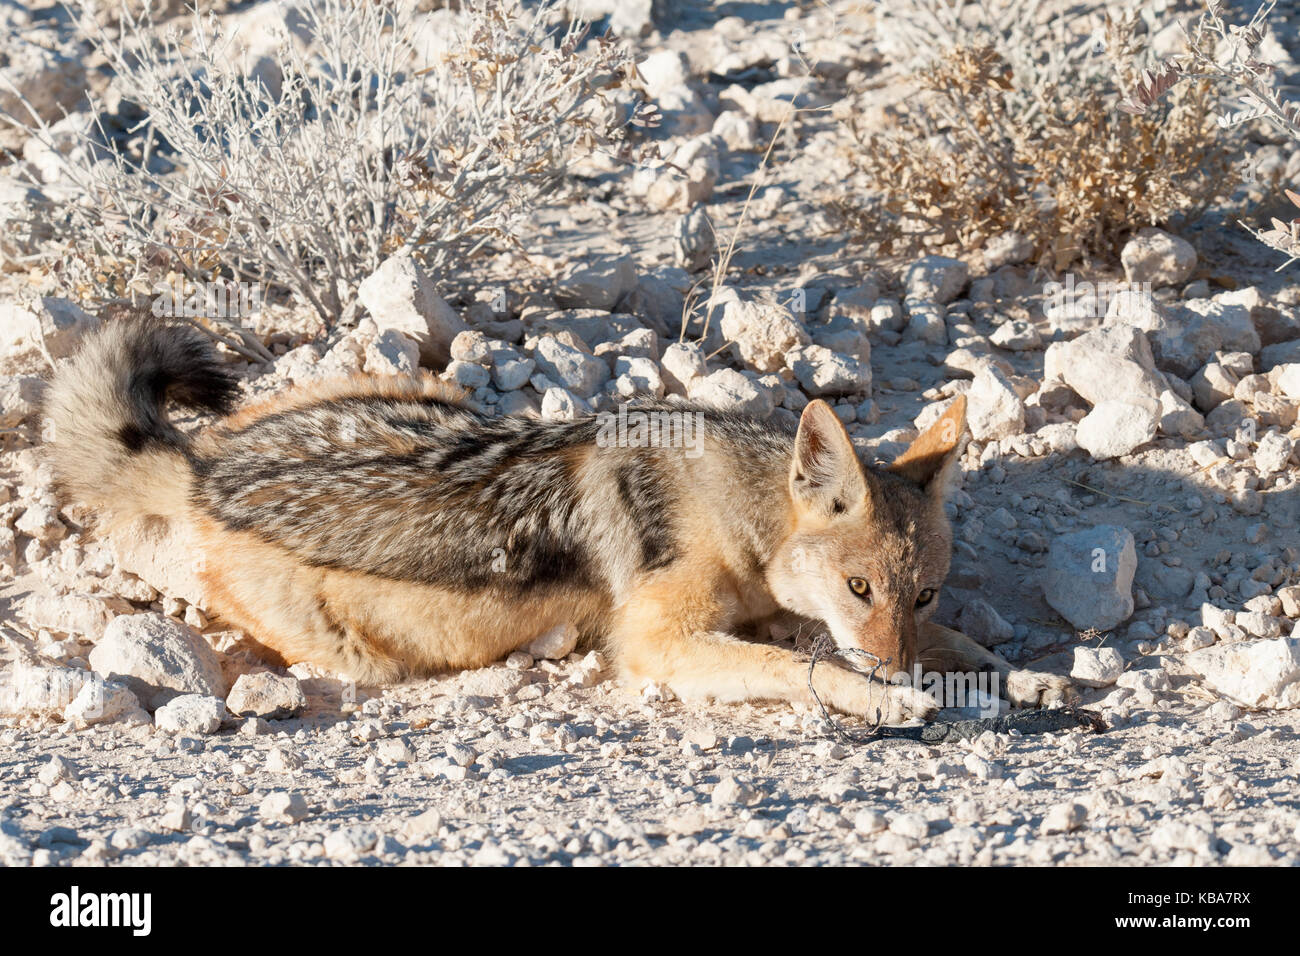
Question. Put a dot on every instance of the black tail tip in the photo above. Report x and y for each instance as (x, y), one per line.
(177, 362)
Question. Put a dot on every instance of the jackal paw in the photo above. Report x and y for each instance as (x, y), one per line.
(1036, 689)
(900, 704)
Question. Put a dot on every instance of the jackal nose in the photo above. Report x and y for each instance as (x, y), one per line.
(889, 658)
(891, 644)
(905, 649)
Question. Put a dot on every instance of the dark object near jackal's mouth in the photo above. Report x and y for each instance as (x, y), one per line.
(1022, 721)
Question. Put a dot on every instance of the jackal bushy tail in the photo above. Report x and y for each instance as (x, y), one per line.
(112, 446)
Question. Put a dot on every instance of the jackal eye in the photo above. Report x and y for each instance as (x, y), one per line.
(925, 597)
(860, 587)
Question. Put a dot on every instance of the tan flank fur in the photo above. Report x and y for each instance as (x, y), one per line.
(380, 527)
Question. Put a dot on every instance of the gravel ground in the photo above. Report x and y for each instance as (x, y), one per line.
(553, 774)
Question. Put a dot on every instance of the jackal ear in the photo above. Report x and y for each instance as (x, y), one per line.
(929, 461)
(825, 474)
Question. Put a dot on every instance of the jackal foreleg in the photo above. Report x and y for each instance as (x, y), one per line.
(673, 629)
(942, 649)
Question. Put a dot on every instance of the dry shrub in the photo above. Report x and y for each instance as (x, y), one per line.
(982, 149)
(351, 142)
(1224, 53)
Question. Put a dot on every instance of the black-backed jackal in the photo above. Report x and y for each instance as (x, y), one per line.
(380, 528)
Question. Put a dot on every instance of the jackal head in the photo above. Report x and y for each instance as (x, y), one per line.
(868, 549)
